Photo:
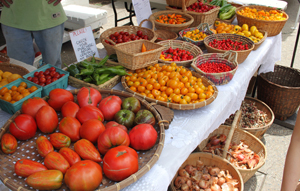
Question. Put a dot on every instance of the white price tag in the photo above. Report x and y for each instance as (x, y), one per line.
(142, 11)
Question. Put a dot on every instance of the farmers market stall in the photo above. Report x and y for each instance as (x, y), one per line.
(190, 127)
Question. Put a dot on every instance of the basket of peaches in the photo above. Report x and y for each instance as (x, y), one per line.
(170, 85)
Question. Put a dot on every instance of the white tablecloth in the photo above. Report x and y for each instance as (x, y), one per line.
(189, 128)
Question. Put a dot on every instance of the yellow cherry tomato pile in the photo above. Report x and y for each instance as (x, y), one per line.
(170, 83)
(253, 33)
(195, 35)
(272, 15)
(7, 77)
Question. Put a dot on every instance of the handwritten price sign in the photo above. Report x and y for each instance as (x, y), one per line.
(83, 43)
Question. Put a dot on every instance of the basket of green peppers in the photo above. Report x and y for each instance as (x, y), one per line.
(95, 72)
(226, 12)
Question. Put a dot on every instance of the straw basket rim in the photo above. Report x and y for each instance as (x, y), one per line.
(15, 66)
(161, 31)
(14, 185)
(196, 13)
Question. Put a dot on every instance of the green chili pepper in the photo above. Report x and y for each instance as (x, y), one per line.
(88, 79)
(86, 63)
(112, 70)
(72, 69)
(104, 80)
(93, 59)
(86, 72)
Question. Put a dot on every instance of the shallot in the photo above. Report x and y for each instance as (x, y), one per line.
(183, 173)
(214, 171)
(215, 187)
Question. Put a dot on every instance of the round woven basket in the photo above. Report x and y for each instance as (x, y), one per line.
(259, 132)
(13, 68)
(165, 35)
(242, 54)
(131, 30)
(195, 51)
(27, 149)
(280, 90)
(171, 27)
(178, 3)
(211, 160)
(176, 106)
(273, 28)
(228, 58)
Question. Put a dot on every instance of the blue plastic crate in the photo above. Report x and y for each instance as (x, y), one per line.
(12, 108)
(60, 83)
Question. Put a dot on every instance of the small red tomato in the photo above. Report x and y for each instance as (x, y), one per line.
(52, 73)
(61, 75)
(47, 72)
(42, 80)
(8, 143)
(71, 156)
(36, 74)
(53, 69)
(54, 79)
(29, 78)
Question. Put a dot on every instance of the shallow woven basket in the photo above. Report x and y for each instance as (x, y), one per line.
(176, 106)
(207, 17)
(165, 35)
(27, 149)
(130, 55)
(13, 68)
(131, 30)
(259, 132)
(280, 90)
(178, 3)
(236, 135)
(228, 58)
(273, 28)
(195, 50)
(242, 55)
(211, 160)
(171, 27)
(203, 27)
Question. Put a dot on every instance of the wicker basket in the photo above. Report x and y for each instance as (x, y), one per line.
(203, 27)
(171, 27)
(273, 28)
(130, 55)
(236, 135)
(4, 58)
(176, 106)
(165, 35)
(242, 55)
(130, 29)
(280, 90)
(211, 160)
(207, 17)
(178, 3)
(228, 58)
(195, 50)
(13, 68)
(27, 149)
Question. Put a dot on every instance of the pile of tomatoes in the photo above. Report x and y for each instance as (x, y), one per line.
(169, 83)
(46, 77)
(199, 7)
(195, 35)
(228, 44)
(214, 67)
(176, 55)
(120, 37)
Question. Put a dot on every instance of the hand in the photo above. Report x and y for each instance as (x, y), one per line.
(3, 2)
(51, 1)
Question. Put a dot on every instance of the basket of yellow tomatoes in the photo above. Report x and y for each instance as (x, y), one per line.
(196, 35)
(264, 18)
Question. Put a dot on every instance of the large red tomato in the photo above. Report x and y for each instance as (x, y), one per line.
(89, 112)
(70, 108)
(46, 119)
(120, 162)
(110, 106)
(23, 127)
(115, 124)
(91, 129)
(84, 175)
(142, 137)
(88, 96)
(70, 126)
(112, 137)
(32, 105)
(58, 97)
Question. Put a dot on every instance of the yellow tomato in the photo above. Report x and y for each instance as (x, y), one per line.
(245, 27)
(253, 29)
(247, 33)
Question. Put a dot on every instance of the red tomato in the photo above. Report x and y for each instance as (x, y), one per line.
(9, 143)
(91, 129)
(25, 167)
(70, 126)
(120, 162)
(70, 108)
(88, 96)
(55, 161)
(115, 124)
(23, 127)
(109, 106)
(58, 97)
(87, 150)
(44, 146)
(112, 137)
(59, 140)
(142, 137)
(32, 105)
(46, 119)
(45, 180)
(84, 175)
(71, 156)
(89, 112)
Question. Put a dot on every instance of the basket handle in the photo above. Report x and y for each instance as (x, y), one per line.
(204, 26)
(153, 25)
(233, 127)
(184, 6)
(232, 56)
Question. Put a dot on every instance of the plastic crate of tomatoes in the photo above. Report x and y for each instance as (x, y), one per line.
(15, 93)
(49, 77)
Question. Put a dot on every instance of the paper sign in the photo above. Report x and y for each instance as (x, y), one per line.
(83, 43)
(142, 11)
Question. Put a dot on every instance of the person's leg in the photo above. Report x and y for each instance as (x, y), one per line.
(49, 42)
(19, 44)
